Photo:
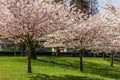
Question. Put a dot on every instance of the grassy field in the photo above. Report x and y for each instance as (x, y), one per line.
(58, 68)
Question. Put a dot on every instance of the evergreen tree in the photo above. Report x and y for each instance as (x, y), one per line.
(86, 6)
(93, 4)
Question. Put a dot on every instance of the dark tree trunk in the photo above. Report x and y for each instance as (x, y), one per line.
(94, 54)
(29, 60)
(22, 48)
(22, 52)
(33, 55)
(103, 55)
(81, 60)
(111, 60)
(14, 49)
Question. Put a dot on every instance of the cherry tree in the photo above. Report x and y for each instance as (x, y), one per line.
(109, 39)
(85, 35)
(29, 22)
(80, 35)
(111, 32)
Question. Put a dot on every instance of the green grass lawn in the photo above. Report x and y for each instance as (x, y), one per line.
(58, 68)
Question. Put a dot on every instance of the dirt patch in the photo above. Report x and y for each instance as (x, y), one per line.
(3, 76)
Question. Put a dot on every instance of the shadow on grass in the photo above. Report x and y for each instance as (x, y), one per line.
(116, 60)
(62, 63)
(102, 70)
(67, 77)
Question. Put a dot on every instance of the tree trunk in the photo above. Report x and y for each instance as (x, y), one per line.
(22, 52)
(111, 60)
(103, 55)
(22, 45)
(29, 60)
(33, 55)
(81, 60)
(14, 49)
